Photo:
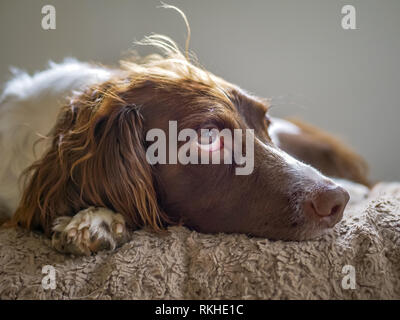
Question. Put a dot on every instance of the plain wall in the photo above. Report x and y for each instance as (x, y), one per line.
(295, 52)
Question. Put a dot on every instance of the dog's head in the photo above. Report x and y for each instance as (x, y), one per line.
(98, 157)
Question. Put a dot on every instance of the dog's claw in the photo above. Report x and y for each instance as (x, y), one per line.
(89, 231)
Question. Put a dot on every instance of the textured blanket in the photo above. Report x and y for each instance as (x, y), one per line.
(358, 259)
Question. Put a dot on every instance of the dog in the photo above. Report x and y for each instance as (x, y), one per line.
(88, 183)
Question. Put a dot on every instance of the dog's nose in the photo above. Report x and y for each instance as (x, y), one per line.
(327, 205)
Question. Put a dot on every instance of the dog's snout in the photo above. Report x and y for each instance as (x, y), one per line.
(327, 205)
(330, 202)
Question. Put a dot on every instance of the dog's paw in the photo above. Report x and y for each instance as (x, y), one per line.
(89, 231)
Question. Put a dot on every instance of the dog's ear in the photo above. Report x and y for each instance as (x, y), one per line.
(118, 176)
(97, 158)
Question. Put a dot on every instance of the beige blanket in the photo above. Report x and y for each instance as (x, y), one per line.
(360, 258)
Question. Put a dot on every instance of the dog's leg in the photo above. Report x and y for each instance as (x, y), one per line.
(89, 231)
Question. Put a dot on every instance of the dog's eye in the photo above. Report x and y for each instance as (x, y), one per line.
(209, 140)
(208, 136)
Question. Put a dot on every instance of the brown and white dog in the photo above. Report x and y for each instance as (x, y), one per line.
(91, 182)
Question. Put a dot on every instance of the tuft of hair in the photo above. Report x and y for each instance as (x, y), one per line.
(97, 153)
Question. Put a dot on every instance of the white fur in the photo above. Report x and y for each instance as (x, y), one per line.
(302, 174)
(356, 191)
(28, 108)
(88, 231)
(91, 219)
(279, 126)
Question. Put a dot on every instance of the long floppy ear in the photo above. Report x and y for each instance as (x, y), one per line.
(97, 158)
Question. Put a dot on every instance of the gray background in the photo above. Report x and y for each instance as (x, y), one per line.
(346, 81)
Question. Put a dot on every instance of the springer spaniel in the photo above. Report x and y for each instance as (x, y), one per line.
(89, 182)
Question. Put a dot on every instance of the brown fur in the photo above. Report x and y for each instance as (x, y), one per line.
(325, 152)
(97, 157)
